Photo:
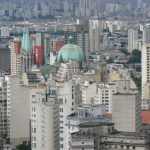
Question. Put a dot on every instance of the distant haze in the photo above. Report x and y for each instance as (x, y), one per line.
(27, 1)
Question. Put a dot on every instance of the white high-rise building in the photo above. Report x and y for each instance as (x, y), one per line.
(94, 35)
(145, 70)
(132, 39)
(146, 34)
(4, 108)
(104, 95)
(44, 119)
(7, 79)
(15, 47)
(69, 97)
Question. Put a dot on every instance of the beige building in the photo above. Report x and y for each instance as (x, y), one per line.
(104, 94)
(88, 91)
(126, 112)
(114, 75)
(125, 140)
(94, 35)
(15, 47)
(132, 39)
(44, 119)
(145, 70)
(20, 111)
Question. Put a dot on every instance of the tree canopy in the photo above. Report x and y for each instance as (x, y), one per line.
(135, 57)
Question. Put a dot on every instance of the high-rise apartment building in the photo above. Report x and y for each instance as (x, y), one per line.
(94, 35)
(21, 54)
(105, 93)
(69, 96)
(145, 70)
(83, 42)
(146, 34)
(15, 46)
(132, 39)
(4, 108)
(44, 119)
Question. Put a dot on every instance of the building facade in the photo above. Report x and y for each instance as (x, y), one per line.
(145, 70)
(126, 112)
(132, 39)
(15, 47)
(44, 120)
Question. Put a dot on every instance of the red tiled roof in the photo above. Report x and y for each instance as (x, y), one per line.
(145, 117)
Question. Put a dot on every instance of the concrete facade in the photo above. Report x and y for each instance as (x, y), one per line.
(126, 112)
(20, 111)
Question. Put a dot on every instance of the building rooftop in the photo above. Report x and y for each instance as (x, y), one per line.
(92, 124)
(131, 134)
(145, 117)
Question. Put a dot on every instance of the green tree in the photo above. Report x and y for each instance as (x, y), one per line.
(136, 52)
(137, 81)
(135, 57)
(110, 60)
(23, 147)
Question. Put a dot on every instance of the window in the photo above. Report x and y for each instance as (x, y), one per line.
(60, 100)
(61, 109)
(33, 96)
(61, 146)
(133, 147)
(34, 130)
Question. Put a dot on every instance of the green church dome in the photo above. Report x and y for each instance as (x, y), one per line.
(70, 52)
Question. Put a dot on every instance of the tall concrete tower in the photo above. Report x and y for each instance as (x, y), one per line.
(146, 34)
(145, 70)
(132, 39)
(26, 53)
